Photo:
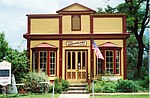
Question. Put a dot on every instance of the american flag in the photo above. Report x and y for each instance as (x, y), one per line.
(97, 51)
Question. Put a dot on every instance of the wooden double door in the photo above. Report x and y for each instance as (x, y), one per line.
(76, 65)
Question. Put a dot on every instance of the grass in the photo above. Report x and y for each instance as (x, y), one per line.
(30, 96)
(122, 96)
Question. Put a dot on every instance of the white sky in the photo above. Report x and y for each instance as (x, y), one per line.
(13, 20)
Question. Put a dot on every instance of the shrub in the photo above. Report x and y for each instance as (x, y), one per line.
(103, 87)
(109, 87)
(65, 85)
(128, 86)
(33, 79)
(57, 87)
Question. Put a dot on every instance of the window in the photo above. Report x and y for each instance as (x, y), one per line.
(117, 62)
(52, 63)
(99, 67)
(76, 22)
(109, 62)
(43, 60)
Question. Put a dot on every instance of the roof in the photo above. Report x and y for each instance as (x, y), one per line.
(76, 7)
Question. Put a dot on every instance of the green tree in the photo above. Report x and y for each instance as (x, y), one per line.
(3, 46)
(137, 21)
(17, 59)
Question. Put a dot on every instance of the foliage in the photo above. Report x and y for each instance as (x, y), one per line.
(65, 85)
(17, 59)
(3, 46)
(33, 79)
(104, 87)
(59, 86)
(137, 21)
(128, 86)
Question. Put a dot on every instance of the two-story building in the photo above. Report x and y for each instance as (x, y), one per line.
(61, 44)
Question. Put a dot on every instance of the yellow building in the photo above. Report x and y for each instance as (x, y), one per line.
(61, 44)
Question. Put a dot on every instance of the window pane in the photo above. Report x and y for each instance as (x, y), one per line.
(34, 61)
(73, 60)
(52, 63)
(79, 60)
(69, 60)
(43, 60)
(83, 60)
(109, 62)
(117, 62)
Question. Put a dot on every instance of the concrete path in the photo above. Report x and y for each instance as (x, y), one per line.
(74, 96)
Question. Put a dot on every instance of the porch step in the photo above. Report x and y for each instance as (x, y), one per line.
(79, 88)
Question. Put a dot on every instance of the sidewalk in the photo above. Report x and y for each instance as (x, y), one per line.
(74, 96)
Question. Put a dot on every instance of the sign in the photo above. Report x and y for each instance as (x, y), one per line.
(5, 73)
(76, 43)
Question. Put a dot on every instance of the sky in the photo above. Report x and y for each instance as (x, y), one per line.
(13, 20)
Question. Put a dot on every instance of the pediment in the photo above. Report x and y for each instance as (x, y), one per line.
(108, 44)
(45, 45)
(76, 7)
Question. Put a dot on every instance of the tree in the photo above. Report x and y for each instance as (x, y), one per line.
(137, 20)
(19, 64)
(3, 46)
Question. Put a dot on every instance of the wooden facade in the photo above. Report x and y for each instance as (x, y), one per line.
(61, 44)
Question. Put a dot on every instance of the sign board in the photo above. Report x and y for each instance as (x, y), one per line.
(5, 73)
(76, 43)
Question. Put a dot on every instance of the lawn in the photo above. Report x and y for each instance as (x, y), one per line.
(30, 96)
(122, 96)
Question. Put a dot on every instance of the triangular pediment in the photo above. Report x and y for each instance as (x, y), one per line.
(45, 45)
(108, 44)
(76, 7)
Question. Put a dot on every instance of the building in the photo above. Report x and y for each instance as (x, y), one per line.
(61, 44)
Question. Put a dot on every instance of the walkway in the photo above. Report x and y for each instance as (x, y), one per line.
(74, 96)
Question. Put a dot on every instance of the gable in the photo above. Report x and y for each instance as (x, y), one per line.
(76, 7)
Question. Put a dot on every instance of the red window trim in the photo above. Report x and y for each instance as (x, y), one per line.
(48, 58)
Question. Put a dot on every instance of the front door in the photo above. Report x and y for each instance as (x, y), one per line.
(76, 65)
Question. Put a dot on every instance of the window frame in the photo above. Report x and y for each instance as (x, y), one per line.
(48, 50)
(114, 49)
(72, 22)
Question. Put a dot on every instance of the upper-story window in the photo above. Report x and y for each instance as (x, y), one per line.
(76, 22)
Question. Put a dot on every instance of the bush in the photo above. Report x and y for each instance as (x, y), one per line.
(104, 87)
(144, 83)
(65, 85)
(128, 86)
(33, 79)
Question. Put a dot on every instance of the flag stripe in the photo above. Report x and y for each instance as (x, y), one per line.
(97, 51)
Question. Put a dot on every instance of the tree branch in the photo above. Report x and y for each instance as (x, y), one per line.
(145, 18)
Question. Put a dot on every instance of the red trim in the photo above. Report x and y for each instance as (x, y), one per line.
(60, 58)
(89, 10)
(124, 58)
(43, 15)
(75, 36)
(115, 61)
(120, 64)
(108, 15)
(91, 24)
(28, 25)
(60, 24)
(92, 59)
(48, 63)
(124, 24)
(72, 23)
(28, 50)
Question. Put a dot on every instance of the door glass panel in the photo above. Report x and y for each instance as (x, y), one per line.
(79, 60)
(83, 60)
(69, 60)
(73, 60)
